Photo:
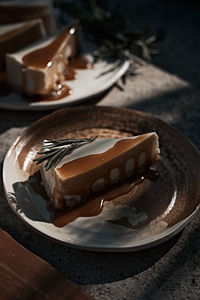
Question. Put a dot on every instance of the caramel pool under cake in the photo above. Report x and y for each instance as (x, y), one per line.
(97, 166)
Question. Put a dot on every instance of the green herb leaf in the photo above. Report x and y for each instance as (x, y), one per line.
(108, 29)
(54, 151)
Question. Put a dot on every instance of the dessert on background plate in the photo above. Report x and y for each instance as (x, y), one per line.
(40, 68)
(37, 73)
(74, 169)
(18, 35)
(21, 10)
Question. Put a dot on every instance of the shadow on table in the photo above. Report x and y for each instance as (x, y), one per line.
(179, 108)
(175, 272)
(87, 267)
(83, 267)
(177, 25)
(9, 118)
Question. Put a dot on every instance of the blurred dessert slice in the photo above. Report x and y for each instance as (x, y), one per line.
(97, 166)
(23, 10)
(39, 69)
(18, 35)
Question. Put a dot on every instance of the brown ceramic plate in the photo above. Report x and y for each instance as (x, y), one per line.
(158, 209)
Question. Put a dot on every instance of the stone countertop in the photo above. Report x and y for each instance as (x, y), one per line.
(168, 88)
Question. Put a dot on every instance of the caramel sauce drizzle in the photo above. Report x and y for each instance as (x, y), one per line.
(70, 73)
(95, 205)
(42, 57)
(62, 91)
(80, 62)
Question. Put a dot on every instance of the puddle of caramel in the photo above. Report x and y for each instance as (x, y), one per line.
(95, 205)
(63, 91)
(70, 73)
(80, 62)
(151, 174)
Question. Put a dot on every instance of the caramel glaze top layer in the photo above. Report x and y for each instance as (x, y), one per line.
(87, 163)
(43, 57)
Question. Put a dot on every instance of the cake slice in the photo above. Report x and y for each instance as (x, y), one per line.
(39, 68)
(97, 166)
(20, 10)
(18, 35)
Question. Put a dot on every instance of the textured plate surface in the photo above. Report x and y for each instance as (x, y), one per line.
(157, 209)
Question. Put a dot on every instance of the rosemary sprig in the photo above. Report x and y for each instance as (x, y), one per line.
(109, 30)
(54, 151)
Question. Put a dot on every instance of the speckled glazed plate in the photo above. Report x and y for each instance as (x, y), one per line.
(90, 83)
(157, 209)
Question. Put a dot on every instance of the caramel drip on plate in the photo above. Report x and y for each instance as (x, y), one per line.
(70, 73)
(42, 57)
(62, 92)
(80, 62)
(95, 205)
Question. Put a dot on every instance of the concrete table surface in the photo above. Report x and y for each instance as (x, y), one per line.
(169, 88)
